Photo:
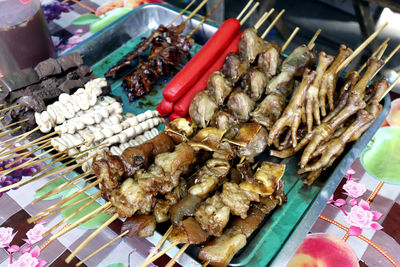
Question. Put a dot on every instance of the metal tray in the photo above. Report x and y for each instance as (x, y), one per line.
(283, 230)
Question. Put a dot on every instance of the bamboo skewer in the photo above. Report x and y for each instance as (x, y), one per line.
(70, 205)
(29, 163)
(158, 255)
(380, 54)
(249, 14)
(89, 238)
(261, 21)
(25, 154)
(21, 137)
(360, 48)
(285, 45)
(195, 11)
(391, 86)
(204, 19)
(9, 108)
(63, 201)
(82, 220)
(102, 247)
(14, 123)
(374, 54)
(27, 145)
(61, 187)
(176, 257)
(10, 131)
(272, 24)
(205, 264)
(244, 9)
(388, 58)
(311, 44)
(181, 13)
(158, 246)
(88, 180)
(73, 214)
(35, 178)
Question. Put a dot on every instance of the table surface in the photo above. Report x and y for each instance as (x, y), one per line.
(16, 205)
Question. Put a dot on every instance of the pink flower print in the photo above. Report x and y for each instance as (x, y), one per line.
(361, 217)
(26, 260)
(6, 236)
(35, 234)
(353, 189)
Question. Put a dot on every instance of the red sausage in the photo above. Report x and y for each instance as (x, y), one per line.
(174, 116)
(165, 107)
(207, 55)
(182, 106)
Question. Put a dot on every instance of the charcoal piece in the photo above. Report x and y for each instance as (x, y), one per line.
(20, 79)
(15, 95)
(71, 85)
(49, 83)
(106, 90)
(72, 76)
(48, 95)
(49, 67)
(4, 93)
(69, 61)
(32, 102)
(83, 70)
(88, 78)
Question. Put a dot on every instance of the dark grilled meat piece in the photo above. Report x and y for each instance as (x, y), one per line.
(219, 87)
(240, 105)
(234, 67)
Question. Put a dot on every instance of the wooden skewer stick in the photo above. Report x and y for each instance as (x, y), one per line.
(42, 146)
(82, 220)
(63, 201)
(380, 54)
(61, 168)
(27, 145)
(34, 178)
(374, 54)
(61, 187)
(392, 53)
(14, 123)
(391, 86)
(285, 45)
(89, 238)
(360, 48)
(158, 255)
(29, 163)
(97, 194)
(204, 19)
(180, 252)
(9, 108)
(244, 9)
(264, 17)
(181, 13)
(389, 57)
(88, 180)
(272, 24)
(311, 44)
(9, 131)
(73, 214)
(1, 105)
(249, 14)
(102, 247)
(205, 264)
(25, 154)
(21, 137)
(159, 244)
(195, 11)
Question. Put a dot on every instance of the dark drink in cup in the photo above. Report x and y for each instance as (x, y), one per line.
(24, 44)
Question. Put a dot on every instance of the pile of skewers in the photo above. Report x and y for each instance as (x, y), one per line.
(199, 175)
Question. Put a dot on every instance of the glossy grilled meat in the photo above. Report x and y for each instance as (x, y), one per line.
(240, 105)
(234, 67)
(250, 45)
(172, 34)
(254, 83)
(202, 109)
(219, 87)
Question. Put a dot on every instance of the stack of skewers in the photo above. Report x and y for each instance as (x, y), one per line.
(201, 175)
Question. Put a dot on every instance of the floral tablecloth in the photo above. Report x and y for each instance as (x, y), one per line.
(375, 247)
